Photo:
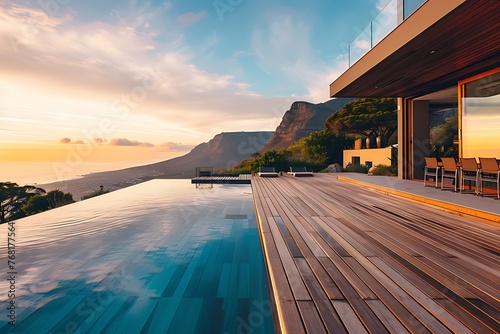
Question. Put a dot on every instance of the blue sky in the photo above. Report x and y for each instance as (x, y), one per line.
(165, 74)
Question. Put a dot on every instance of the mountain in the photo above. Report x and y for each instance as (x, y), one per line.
(221, 152)
(302, 119)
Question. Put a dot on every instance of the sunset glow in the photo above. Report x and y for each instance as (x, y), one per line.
(147, 81)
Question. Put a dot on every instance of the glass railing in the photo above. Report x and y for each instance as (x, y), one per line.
(409, 6)
(385, 22)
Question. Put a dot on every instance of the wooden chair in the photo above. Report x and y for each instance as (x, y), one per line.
(449, 171)
(489, 172)
(469, 172)
(431, 169)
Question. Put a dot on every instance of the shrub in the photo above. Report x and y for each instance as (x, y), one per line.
(356, 169)
(95, 193)
(385, 170)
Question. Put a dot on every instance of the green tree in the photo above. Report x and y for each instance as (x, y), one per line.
(57, 198)
(36, 204)
(321, 147)
(53, 199)
(12, 199)
(280, 160)
(366, 117)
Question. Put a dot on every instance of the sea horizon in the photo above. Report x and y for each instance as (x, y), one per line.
(44, 172)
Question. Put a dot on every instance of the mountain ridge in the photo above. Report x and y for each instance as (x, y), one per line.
(302, 119)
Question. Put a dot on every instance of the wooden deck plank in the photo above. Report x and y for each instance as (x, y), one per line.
(312, 320)
(387, 318)
(326, 310)
(434, 254)
(383, 254)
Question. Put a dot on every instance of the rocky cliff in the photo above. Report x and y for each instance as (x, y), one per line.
(302, 119)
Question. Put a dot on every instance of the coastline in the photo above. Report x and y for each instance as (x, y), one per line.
(110, 180)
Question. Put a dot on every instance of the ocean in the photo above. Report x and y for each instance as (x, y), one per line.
(42, 172)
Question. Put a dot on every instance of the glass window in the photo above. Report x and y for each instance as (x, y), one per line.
(481, 116)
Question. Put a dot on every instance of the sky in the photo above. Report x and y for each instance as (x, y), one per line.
(160, 77)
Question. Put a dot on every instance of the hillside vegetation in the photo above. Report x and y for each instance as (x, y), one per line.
(356, 119)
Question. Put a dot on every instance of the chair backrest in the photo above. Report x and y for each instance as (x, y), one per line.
(298, 169)
(431, 162)
(449, 164)
(266, 169)
(489, 165)
(469, 164)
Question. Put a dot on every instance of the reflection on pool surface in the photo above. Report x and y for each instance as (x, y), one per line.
(159, 257)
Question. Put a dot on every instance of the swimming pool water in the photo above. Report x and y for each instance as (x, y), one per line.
(160, 257)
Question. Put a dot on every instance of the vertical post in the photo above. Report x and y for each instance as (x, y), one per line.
(401, 11)
(349, 55)
(401, 139)
(371, 34)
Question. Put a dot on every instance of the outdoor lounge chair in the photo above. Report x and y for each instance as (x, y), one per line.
(267, 172)
(449, 171)
(490, 172)
(431, 170)
(469, 172)
(299, 171)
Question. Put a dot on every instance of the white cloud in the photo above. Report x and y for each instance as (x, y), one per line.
(283, 45)
(241, 53)
(191, 18)
(121, 63)
(362, 44)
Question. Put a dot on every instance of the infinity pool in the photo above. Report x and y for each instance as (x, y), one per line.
(160, 257)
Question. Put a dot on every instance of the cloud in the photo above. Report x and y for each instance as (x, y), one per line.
(127, 142)
(191, 18)
(381, 4)
(67, 140)
(99, 140)
(171, 146)
(241, 53)
(282, 42)
(122, 69)
(319, 90)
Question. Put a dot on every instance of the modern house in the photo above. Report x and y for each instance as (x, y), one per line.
(432, 55)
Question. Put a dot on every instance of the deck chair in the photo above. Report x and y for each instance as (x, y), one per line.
(431, 169)
(469, 172)
(267, 172)
(299, 171)
(449, 171)
(490, 173)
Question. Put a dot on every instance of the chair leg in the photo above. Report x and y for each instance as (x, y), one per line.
(456, 181)
(498, 185)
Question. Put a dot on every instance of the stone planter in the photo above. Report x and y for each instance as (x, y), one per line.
(370, 142)
(381, 142)
(358, 144)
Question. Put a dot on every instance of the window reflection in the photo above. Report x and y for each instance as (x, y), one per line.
(481, 117)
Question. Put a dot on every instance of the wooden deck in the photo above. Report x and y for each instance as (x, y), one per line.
(342, 258)
(241, 179)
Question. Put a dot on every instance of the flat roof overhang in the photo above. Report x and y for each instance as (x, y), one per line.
(440, 44)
